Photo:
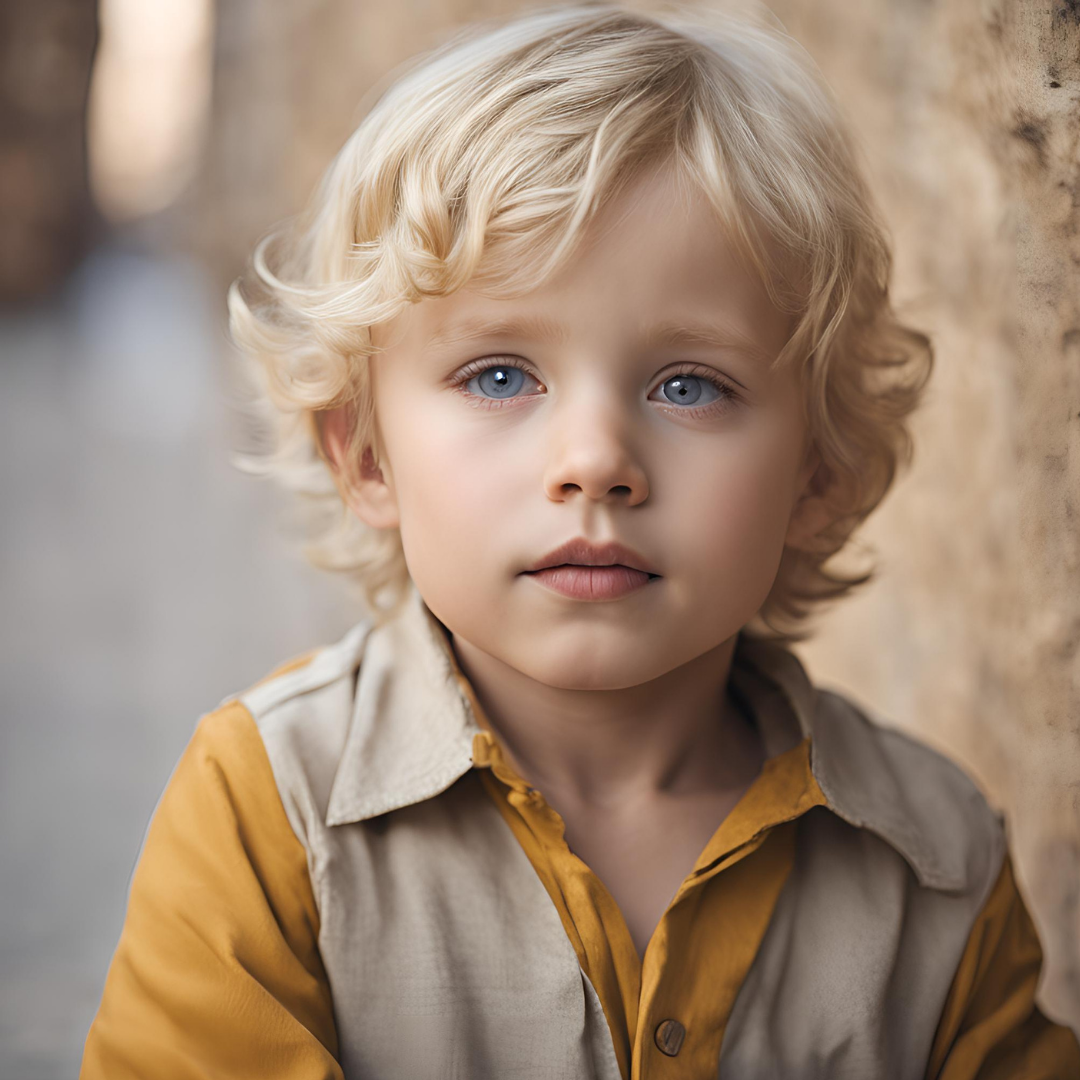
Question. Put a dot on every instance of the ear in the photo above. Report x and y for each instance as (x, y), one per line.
(815, 509)
(367, 493)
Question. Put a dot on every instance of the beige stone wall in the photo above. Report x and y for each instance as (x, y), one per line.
(969, 111)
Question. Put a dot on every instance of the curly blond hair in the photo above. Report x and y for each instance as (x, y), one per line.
(483, 162)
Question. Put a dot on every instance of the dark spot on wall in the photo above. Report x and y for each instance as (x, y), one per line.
(1055, 463)
(1032, 131)
(1054, 84)
(1068, 9)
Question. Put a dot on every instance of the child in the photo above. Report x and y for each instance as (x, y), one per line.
(590, 323)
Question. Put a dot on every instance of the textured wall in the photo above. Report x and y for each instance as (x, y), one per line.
(969, 114)
(971, 639)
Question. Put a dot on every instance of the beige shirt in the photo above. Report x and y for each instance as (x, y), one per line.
(329, 888)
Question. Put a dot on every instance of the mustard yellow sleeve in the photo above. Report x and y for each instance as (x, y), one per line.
(991, 1028)
(218, 973)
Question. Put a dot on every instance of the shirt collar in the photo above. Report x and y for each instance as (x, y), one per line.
(413, 724)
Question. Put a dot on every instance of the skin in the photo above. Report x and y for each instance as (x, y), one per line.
(617, 711)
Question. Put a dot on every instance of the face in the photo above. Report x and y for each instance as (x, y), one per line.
(580, 417)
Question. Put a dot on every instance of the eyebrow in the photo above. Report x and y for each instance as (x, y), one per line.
(714, 335)
(539, 328)
(535, 327)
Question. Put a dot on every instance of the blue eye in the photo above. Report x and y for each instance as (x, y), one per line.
(487, 385)
(500, 381)
(684, 389)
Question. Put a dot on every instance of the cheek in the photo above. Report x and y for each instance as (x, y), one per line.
(461, 474)
(457, 488)
(741, 504)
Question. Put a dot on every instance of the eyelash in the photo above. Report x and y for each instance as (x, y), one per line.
(728, 397)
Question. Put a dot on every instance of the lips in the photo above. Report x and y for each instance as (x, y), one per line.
(581, 552)
(592, 582)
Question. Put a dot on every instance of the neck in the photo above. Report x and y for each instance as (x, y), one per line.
(679, 735)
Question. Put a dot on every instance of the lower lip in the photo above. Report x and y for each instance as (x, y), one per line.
(592, 582)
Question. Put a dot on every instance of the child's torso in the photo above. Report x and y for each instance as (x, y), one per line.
(815, 946)
(643, 858)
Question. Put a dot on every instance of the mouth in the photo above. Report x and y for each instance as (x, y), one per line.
(584, 570)
(591, 566)
(581, 554)
(585, 581)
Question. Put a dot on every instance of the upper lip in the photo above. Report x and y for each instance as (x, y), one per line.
(582, 552)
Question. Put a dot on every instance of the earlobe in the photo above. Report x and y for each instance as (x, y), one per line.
(366, 491)
(813, 511)
(810, 518)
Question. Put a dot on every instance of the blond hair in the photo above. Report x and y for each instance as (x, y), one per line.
(484, 160)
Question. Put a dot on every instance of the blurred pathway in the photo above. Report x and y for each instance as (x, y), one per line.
(142, 579)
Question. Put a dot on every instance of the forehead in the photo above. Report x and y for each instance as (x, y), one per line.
(654, 267)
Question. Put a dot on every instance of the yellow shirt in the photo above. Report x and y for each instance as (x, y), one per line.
(717, 916)
(218, 970)
(707, 938)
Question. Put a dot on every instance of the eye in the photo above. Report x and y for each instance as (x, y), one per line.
(683, 389)
(693, 389)
(493, 381)
(499, 381)
(696, 390)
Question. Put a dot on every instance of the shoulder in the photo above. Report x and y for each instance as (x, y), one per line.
(923, 803)
(221, 921)
(883, 780)
(297, 699)
(219, 813)
(268, 701)
(301, 714)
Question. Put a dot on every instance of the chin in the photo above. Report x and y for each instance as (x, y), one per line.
(582, 671)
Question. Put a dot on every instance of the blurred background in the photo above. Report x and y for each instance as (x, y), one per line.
(145, 147)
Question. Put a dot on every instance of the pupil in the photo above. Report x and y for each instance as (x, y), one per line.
(682, 388)
(501, 381)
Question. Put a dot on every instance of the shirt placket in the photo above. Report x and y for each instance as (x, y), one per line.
(700, 954)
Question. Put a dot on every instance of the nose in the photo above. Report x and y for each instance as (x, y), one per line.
(592, 452)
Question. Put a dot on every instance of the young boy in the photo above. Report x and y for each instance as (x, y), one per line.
(589, 321)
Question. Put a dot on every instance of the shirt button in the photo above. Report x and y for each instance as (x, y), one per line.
(669, 1036)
